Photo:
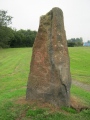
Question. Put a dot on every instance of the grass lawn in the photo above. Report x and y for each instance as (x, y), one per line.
(80, 63)
(14, 70)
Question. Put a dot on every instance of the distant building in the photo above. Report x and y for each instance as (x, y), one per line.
(86, 44)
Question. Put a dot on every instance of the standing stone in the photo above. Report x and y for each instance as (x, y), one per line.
(49, 78)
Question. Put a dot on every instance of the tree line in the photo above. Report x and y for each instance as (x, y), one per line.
(14, 38)
(22, 38)
(75, 42)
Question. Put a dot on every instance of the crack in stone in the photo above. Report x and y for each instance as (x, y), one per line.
(51, 51)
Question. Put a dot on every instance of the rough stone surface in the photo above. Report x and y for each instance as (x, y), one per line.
(49, 78)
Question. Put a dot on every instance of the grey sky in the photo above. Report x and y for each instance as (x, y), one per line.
(26, 14)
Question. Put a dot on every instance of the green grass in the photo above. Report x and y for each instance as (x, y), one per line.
(82, 94)
(14, 70)
(80, 63)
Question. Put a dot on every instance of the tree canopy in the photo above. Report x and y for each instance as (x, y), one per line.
(22, 38)
(5, 32)
(13, 38)
(75, 42)
(4, 18)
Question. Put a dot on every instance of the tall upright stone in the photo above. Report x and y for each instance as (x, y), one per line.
(49, 79)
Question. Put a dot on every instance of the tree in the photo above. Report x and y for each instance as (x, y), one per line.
(23, 38)
(14, 38)
(6, 35)
(88, 41)
(70, 43)
(4, 18)
(75, 42)
(5, 31)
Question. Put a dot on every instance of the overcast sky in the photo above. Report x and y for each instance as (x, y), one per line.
(26, 14)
